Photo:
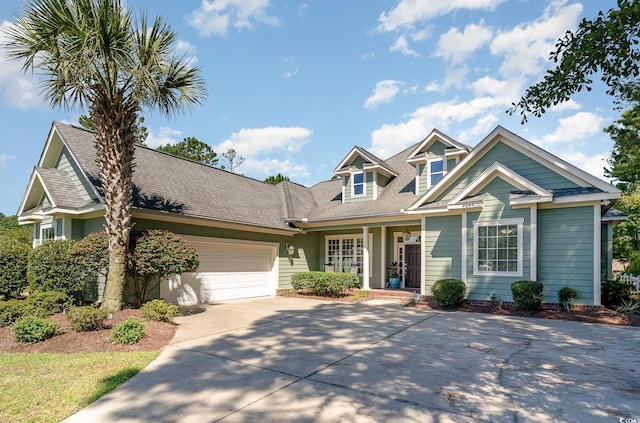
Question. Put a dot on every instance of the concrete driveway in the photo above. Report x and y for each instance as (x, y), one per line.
(286, 359)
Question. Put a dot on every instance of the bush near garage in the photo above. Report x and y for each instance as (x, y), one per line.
(128, 332)
(527, 296)
(14, 258)
(567, 296)
(449, 292)
(159, 311)
(38, 304)
(87, 318)
(331, 284)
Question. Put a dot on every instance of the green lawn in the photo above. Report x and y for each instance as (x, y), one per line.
(49, 387)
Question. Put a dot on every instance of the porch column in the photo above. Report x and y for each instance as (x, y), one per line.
(383, 257)
(365, 258)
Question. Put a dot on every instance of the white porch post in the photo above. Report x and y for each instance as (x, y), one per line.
(365, 258)
(383, 257)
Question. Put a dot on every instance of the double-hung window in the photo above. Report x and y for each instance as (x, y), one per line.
(436, 170)
(357, 184)
(497, 247)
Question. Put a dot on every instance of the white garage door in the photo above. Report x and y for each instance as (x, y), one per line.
(229, 270)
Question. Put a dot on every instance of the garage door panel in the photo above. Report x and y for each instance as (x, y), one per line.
(226, 272)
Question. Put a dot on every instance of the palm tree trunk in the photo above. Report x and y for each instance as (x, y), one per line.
(114, 120)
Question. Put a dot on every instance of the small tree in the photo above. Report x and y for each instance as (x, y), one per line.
(49, 269)
(14, 257)
(234, 159)
(193, 149)
(276, 179)
(154, 256)
(90, 257)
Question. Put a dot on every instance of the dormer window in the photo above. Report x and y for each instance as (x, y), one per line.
(358, 184)
(437, 169)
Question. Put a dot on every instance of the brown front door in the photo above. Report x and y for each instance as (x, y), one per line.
(412, 261)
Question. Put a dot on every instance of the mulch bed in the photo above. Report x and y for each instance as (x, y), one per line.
(157, 335)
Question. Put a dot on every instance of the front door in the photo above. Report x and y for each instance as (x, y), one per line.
(412, 266)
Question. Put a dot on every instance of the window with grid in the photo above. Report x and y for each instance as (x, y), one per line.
(345, 254)
(436, 171)
(498, 248)
(358, 183)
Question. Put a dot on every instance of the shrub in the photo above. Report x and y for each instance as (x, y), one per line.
(614, 292)
(567, 296)
(31, 329)
(159, 311)
(85, 319)
(155, 255)
(49, 269)
(527, 295)
(14, 309)
(449, 292)
(128, 332)
(324, 283)
(90, 256)
(14, 257)
(48, 302)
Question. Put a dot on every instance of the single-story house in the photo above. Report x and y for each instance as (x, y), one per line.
(502, 211)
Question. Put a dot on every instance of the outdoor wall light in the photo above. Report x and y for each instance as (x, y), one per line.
(291, 250)
(406, 235)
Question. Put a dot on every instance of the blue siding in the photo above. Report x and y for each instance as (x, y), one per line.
(442, 243)
(514, 160)
(565, 251)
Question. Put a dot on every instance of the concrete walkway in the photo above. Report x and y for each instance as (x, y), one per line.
(287, 359)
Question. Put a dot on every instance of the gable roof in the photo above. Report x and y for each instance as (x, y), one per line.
(500, 134)
(370, 162)
(433, 137)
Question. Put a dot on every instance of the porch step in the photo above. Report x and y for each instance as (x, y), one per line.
(392, 294)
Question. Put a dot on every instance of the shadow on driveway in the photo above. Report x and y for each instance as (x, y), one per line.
(289, 360)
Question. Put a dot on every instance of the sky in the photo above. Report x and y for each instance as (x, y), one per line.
(294, 85)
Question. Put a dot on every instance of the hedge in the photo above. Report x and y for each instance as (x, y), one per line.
(330, 284)
(449, 292)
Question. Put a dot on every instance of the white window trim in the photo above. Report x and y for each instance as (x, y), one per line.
(364, 184)
(349, 236)
(517, 221)
(444, 169)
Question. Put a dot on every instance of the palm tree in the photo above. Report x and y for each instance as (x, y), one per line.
(96, 53)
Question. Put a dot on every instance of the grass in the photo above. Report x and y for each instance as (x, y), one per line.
(50, 387)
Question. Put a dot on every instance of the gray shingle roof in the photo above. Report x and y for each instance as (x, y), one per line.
(169, 183)
(61, 188)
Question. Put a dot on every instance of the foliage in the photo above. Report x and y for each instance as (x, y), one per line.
(48, 302)
(629, 306)
(49, 270)
(567, 296)
(193, 149)
(626, 244)
(624, 163)
(614, 292)
(155, 255)
(159, 310)
(276, 179)
(607, 45)
(527, 295)
(128, 332)
(233, 158)
(50, 387)
(449, 292)
(14, 309)
(11, 229)
(330, 284)
(393, 268)
(14, 258)
(87, 318)
(32, 329)
(495, 302)
(95, 53)
(90, 256)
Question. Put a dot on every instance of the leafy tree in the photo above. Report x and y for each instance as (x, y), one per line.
(10, 229)
(273, 180)
(624, 163)
(14, 256)
(141, 131)
(193, 149)
(156, 255)
(626, 243)
(90, 256)
(234, 159)
(607, 44)
(95, 53)
(49, 269)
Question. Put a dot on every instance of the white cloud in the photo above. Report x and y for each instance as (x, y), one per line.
(163, 136)
(433, 87)
(402, 46)
(568, 105)
(252, 142)
(383, 93)
(456, 46)
(260, 169)
(526, 47)
(409, 12)
(4, 158)
(290, 74)
(593, 164)
(214, 17)
(19, 89)
(578, 127)
(188, 50)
